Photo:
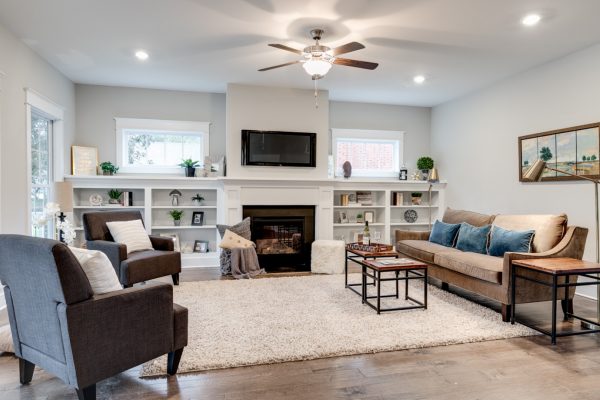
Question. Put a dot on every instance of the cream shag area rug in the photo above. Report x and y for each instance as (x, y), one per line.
(273, 320)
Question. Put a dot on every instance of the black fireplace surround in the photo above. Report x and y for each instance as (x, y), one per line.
(283, 236)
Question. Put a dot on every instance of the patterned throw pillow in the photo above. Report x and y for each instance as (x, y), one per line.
(130, 233)
(242, 229)
(233, 241)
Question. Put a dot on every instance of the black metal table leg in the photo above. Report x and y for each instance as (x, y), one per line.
(406, 285)
(554, 290)
(513, 277)
(425, 289)
(397, 273)
(378, 275)
(364, 283)
(346, 270)
(566, 300)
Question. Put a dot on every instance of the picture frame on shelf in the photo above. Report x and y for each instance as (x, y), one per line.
(200, 246)
(369, 216)
(84, 161)
(358, 237)
(343, 217)
(175, 238)
(198, 219)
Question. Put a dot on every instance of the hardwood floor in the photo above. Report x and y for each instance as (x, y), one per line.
(522, 368)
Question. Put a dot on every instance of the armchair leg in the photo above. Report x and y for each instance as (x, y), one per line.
(25, 371)
(127, 286)
(506, 312)
(175, 279)
(445, 286)
(87, 393)
(173, 359)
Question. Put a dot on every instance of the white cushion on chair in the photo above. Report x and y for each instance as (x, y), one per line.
(98, 269)
(130, 233)
(328, 256)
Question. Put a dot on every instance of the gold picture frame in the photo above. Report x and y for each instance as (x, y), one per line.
(84, 160)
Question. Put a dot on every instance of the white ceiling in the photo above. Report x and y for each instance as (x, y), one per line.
(201, 45)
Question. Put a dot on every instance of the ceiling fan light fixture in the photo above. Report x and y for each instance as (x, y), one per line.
(316, 67)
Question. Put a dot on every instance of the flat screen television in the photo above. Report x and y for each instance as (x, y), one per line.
(281, 149)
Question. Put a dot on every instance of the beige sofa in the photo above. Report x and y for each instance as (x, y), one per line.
(489, 276)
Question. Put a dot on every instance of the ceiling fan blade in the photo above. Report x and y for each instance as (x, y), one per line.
(279, 66)
(346, 48)
(355, 63)
(286, 48)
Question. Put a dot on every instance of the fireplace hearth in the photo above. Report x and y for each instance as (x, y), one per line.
(283, 236)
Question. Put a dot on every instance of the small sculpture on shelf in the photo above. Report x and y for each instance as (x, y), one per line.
(197, 199)
(416, 198)
(347, 167)
(175, 195)
(176, 215)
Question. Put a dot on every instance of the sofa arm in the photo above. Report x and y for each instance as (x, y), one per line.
(162, 243)
(116, 252)
(411, 235)
(116, 331)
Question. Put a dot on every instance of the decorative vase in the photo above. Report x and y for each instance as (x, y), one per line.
(176, 222)
(197, 202)
(107, 173)
(190, 172)
(114, 201)
(347, 167)
(416, 201)
(424, 174)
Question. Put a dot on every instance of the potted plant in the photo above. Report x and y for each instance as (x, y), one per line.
(359, 218)
(425, 164)
(197, 199)
(176, 215)
(108, 168)
(416, 198)
(190, 167)
(114, 196)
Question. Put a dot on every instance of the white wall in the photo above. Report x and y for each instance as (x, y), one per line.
(97, 106)
(280, 109)
(24, 69)
(474, 140)
(414, 121)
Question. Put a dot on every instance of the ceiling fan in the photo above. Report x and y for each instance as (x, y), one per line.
(318, 59)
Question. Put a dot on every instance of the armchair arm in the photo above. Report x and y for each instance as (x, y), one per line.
(162, 243)
(116, 331)
(411, 235)
(116, 252)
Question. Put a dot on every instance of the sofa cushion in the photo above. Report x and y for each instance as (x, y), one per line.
(480, 266)
(422, 250)
(502, 241)
(459, 216)
(443, 233)
(549, 229)
(473, 238)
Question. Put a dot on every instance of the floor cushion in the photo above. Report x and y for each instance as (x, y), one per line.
(480, 266)
(328, 256)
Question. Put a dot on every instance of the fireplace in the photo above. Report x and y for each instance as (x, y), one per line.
(283, 236)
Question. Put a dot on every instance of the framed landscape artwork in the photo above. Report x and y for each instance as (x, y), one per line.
(575, 150)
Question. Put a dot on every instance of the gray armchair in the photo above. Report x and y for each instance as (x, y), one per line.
(58, 324)
(139, 266)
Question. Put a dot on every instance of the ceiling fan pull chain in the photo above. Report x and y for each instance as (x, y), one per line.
(316, 94)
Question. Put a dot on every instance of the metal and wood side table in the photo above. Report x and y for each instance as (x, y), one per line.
(357, 255)
(555, 268)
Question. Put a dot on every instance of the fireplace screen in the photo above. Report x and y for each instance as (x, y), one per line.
(278, 235)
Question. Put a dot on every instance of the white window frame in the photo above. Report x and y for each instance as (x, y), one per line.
(373, 135)
(181, 127)
(35, 102)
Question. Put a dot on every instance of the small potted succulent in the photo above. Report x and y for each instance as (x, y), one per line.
(189, 166)
(359, 218)
(114, 196)
(108, 168)
(416, 198)
(176, 215)
(425, 164)
(197, 199)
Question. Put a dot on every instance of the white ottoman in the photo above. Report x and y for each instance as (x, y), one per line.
(328, 256)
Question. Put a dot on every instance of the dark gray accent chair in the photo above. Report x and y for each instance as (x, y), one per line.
(59, 325)
(136, 267)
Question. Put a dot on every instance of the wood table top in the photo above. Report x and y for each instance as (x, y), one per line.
(561, 265)
(402, 264)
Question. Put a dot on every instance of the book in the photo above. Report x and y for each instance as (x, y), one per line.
(395, 261)
(364, 198)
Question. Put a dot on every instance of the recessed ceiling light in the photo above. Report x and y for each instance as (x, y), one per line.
(531, 19)
(141, 55)
(419, 79)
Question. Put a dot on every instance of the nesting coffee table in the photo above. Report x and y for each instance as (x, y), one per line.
(356, 255)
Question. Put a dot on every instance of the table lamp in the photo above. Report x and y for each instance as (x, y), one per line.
(534, 174)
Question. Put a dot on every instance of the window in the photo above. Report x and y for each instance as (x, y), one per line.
(371, 153)
(158, 146)
(41, 171)
(44, 155)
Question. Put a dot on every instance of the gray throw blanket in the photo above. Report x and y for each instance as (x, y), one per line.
(244, 263)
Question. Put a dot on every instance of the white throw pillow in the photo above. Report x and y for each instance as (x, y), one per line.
(130, 233)
(98, 269)
(233, 241)
(6, 343)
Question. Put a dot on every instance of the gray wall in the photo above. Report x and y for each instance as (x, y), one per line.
(414, 121)
(474, 140)
(97, 106)
(24, 69)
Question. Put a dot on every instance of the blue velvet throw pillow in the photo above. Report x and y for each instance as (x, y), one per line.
(503, 240)
(443, 233)
(472, 238)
